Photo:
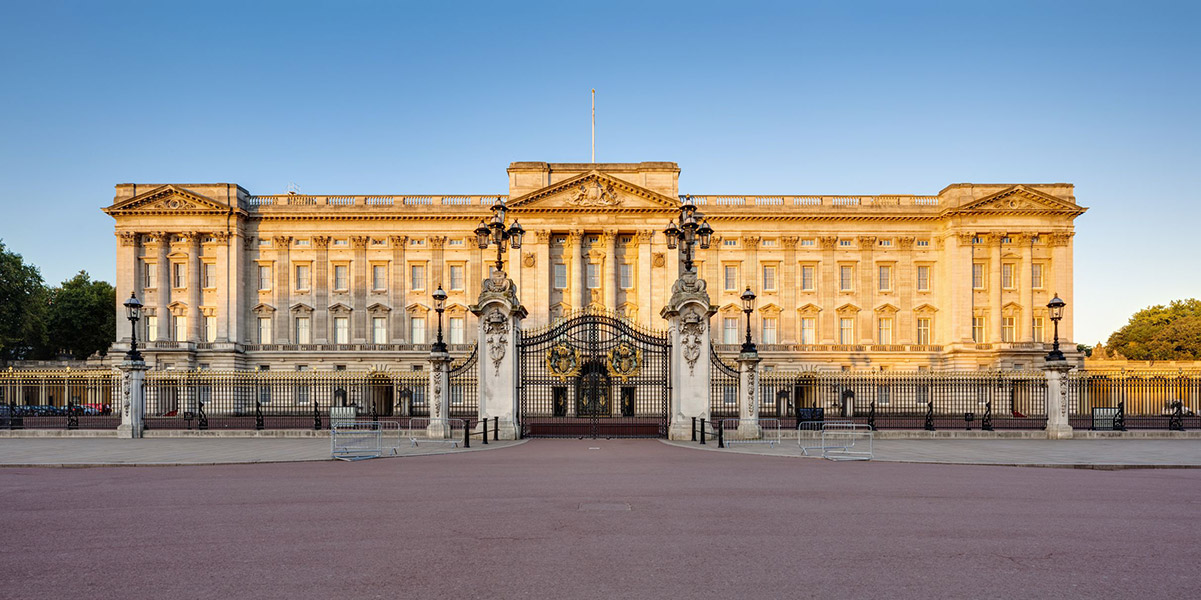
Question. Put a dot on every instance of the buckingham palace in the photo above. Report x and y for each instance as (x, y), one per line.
(234, 280)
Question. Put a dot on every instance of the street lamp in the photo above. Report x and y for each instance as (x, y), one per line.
(439, 306)
(493, 231)
(133, 312)
(748, 305)
(693, 228)
(1056, 307)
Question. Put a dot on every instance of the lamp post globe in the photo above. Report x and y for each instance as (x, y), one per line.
(748, 306)
(133, 312)
(1055, 306)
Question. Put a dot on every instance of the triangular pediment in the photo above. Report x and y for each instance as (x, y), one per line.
(1019, 199)
(378, 307)
(887, 308)
(168, 199)
(595, 191)
(809, 308)
(925, 308)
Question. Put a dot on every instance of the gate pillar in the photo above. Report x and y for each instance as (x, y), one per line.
(499, 313)
(1058, 426)
(748, 404)
(687, 314)
(133, 399)
(439, 427)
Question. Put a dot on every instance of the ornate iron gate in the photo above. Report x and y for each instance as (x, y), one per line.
(464, 387)
(594, 375)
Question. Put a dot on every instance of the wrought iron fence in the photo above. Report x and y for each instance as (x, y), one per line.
(464, 387)
(65, 399)
(1135, 400)
(723, 387)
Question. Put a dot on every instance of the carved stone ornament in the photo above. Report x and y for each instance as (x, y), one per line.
(173, 203)
(528, 259)
(595, 194)
(751, 409)
(625, 361)
(125, 390)
(563, 361)
(692, 327)
(658, 260)
(220, 237)
(436, 404)
(496, 331)
(128, 238)
(828, 242)
(688, 287)
(321, 241)
(499, 286)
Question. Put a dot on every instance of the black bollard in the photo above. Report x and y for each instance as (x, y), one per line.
(721, 434)
(496, 429)
(702, 431)
(485, 432)
(694, 429)
(467, 433)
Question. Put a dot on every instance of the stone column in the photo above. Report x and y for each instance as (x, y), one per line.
(994, 288)
(282, 289)
(574, 257)
(544, 274)
(358, 290)
(688, 314)
(1026, 295)
(1058, 427)
(194, 316)
(828, 286)
(397, 291)
(499, 313)
(129, 281)
(748, 402)
(959, 253)
(225, 290)
(905, 288)
(321, 332)
(162, 293)
(712, 270)
(753, 278)
(644, 281)
(1061, 265)
(610, 277)
(439, 425)
(788, 327)
(133, 399)
(865, 291)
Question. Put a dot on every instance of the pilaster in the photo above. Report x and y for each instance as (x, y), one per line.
(788, 325)
(610, 273)
(162, 293)
(281, 328)
(829, 289)
(358, 290)
(866, 290)
(1026, 294)
(995, 299)
(321, 323)
(397, 291)
(574, 252)
(906, 287)
(645, 281)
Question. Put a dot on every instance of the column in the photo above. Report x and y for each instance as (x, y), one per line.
(1058, 427)
(644, 283)
(438, 263)
(959, 267)
(539, 293)
(610, 278)
(748, 396)
(713, 270)
(829, 290)
(866, 292)
(752, 278)
(574, 252)
(439, 426)
(321, 333)
(133, 399)
(128, 279)
(1026, 295)
(194, 316)
(1061, 266)
(282, 288)
(994, 288)
(358, 290)
(906, 288)
(226, 291)
(787, 333)
(162, 294)
(396, 291)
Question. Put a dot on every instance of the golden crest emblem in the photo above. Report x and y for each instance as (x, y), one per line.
(562, 361)
(625, 361)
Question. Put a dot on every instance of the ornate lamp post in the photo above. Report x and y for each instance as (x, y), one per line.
(493, 232)
(748, 305)
(439, 306)
(133, 312)
(1056, 307)
(693, 228)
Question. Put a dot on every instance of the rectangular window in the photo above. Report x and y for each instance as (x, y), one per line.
(923, 243)
(210, 329)
(304, 334)
(341, 277)
(264, 277)
(379, 330)
(1007, 329)
(808, 330)
(846, 331)
(379, 277)
(1007, 276)
(846, 278)
(151, 328)
(923, 278)
(264, 330)
(729, 330)
(303, 278)
(417, 277)
(456, 277)
(807, 242)
(180, 324)
(978, 330)
(560, 276)
(592, 271)
(456, 330)
(885, 278)
(844, 243)
(455, 243)
(181, 274)
(729, 243)
(626, 275)
(978, 276)
(884, 331)
(150, 276)
(417, 330)
(769, 331)
(923, 331)
(1037, 329)
(885, 243)
(209, 275)
(1036, 276)
(731, 279)
(341, 330)
(341, 243)
(807, 280)
(769, 278)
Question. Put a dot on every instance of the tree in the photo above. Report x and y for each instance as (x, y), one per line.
(1171, 332)
(22, 304)
(81, 319)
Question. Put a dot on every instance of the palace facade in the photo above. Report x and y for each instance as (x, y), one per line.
(234, 280)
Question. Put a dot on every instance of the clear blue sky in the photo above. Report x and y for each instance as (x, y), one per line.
(427, 97)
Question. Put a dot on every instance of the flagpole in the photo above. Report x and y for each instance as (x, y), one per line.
(593, 124)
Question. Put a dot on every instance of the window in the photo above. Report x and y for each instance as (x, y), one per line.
(978, 330)
(769, 330)
(341, 277)
(264, 277)
(923, 243)
(885, 243)
(416, 242)
(181, 274)
(417, 330)
(210, 329)
(379, 330)
(923, 331)
(1007, 276)
(807, 242)
(846, 278)
(1007, 329)
(1037, 329)
(769, 243)
(302, 277)
(844, 243)
(302, 243)
(456, 277)
(769, 278)
(209, 274)
(626, 274)
(731, 279)
(808, 330)
(923, 278)
(729, 243)
(456, 330)
(884, 330)
(264, 243)
(417, 276)
(846, 331)
(378, 242)
(150, 275)
(264, 330)
(1006, 240)
(1036, 276)
(885, 278)
(379, 277)
(341, 243)
(807, 280)
(341, 330)
(560, 276)
(729, 330)
(593, 275)
(978, 276)
(151, 328)
(304, 334)
(454, 243)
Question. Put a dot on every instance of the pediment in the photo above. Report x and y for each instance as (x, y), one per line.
(809, 308)
(887, 308)
(456, 309)
(168, 199)
(925, 308)
(262, 307)
(731, 308)
(339, 308)
(847, 308)
(1019, 199)
(301, 307)
(594, 191)
(417, 307)
(770, 309)
(378, 307)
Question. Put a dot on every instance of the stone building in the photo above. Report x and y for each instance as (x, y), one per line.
(231, 279)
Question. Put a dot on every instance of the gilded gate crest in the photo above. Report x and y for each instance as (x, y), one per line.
(563, 361)
(625, 361)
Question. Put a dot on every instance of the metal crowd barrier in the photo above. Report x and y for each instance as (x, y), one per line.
(418, 430)
(356, 440)
(769, 432)
(838, 440)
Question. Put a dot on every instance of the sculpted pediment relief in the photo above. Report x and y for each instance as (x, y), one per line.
(594, 191)
(1020, 199)
(167, 199)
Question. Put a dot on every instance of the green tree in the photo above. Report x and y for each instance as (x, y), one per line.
(22, 304)
(81, 318)
(1171, 332)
